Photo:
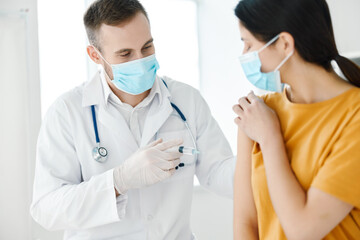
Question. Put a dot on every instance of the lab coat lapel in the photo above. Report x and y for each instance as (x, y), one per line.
(155, 119)
(158, 113)
(116, 124)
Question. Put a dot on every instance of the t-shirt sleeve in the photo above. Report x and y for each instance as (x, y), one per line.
(263, 97)
(340, 173)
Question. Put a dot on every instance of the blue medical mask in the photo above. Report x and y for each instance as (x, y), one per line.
(134, 77)
(251, 65)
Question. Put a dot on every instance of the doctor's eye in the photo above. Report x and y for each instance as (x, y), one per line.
(147, 47)
(125, 54)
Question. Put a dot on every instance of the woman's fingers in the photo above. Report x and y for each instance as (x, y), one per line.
(252, 98)
(244, 103)
(237, 121)
(238, 110)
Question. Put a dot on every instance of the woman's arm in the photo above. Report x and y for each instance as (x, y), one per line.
(245, 217)
(303, 215)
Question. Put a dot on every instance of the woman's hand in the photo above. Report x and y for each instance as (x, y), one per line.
(256, 119)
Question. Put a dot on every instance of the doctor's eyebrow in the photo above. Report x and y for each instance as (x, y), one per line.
(150, 41)
(128, 49)
(123, 50)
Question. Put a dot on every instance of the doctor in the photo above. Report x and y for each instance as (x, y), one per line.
(108, 165)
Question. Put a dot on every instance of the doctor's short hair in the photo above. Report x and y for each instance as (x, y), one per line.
(109, 12)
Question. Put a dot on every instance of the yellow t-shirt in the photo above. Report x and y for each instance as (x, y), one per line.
(323, 146)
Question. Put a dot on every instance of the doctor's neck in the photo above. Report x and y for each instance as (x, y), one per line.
(132, 100)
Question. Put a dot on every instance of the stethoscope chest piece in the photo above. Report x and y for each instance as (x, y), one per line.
(99, 154)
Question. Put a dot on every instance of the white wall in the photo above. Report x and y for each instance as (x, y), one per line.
(211, 216)
(221, 85)
(346, 22)
(20, 118)
(219, 41)
(12, 31)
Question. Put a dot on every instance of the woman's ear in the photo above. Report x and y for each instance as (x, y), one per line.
(287, 43)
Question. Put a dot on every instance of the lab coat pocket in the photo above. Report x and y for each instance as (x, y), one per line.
(189, 161)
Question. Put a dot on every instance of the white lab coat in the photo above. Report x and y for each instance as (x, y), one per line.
(75, 193)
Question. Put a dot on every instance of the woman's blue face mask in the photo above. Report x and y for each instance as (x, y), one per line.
(251, 65)
(134, 77)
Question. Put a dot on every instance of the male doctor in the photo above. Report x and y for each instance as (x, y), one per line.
(108, 161)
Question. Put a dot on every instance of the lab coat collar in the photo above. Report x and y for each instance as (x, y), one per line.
(92, 91)
(165, 93)
(158, 113)
(106, 88)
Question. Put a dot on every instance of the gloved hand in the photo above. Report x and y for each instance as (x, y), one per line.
(149, 165)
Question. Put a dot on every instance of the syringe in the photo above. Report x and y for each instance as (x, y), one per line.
(188, 150)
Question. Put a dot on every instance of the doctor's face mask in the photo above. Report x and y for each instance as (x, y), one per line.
(130, 46)
(134, 77)
(251, 65)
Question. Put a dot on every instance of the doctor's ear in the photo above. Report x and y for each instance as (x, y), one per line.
(93, 54)
(286, 43)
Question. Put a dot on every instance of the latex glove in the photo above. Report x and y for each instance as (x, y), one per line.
(149, 165)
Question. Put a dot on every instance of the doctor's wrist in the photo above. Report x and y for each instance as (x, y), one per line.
(116, 192)
(119, 184)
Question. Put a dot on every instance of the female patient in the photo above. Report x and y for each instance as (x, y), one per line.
(298, 166)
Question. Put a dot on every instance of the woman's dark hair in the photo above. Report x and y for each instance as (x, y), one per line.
(308, 21)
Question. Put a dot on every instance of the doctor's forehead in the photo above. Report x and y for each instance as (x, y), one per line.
(132, 34)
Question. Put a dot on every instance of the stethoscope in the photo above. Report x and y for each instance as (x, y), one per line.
(100, 153)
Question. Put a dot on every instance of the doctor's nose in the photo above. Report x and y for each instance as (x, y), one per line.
(140, 55)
